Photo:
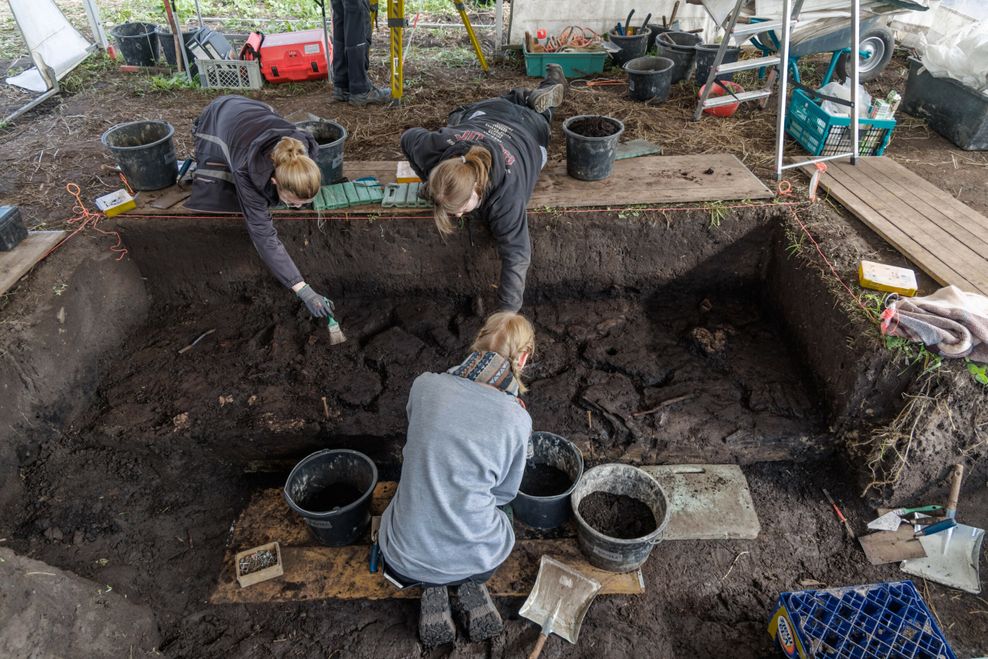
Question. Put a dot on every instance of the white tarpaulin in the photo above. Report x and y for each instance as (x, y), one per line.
(53, 42)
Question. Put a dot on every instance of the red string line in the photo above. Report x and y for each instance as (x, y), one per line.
(83, 219)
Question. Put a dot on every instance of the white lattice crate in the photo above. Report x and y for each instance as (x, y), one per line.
(229, 74)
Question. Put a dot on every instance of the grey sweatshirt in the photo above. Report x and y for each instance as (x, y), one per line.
(464, 456)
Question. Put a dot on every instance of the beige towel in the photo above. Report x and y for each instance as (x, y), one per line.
(952, 321)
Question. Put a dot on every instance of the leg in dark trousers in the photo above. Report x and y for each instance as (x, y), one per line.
(351, 46)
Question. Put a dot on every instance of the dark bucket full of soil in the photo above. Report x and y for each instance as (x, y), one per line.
(649, 78)
(551, 474)
(680, 48)
(138, 43)
(706, 54)
(591, 140)
(145, 153)
(331, 489)
(631, 46)
(621, 513)
(166, 40)
(331, 137)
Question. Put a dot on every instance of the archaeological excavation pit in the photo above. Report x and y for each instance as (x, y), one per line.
(662, 338)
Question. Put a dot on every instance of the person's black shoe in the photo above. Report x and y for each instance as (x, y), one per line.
(544, 98)
(376, 96)
(340, 94)
(554, 73)
(480, 615)
(435, 618)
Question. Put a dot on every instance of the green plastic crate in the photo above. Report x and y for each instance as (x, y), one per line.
(575, 65)
(823, 134)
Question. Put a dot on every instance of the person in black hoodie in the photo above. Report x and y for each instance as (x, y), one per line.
(488, 159)
(249, 159)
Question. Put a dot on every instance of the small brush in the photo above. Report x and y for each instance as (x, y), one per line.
(336, 335)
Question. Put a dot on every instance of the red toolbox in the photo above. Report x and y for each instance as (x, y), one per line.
(291, 56)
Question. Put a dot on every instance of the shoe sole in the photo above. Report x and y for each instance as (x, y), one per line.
(551, 97)
(482, 619)
(435, 618)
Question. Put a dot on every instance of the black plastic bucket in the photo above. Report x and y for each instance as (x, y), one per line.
(631, 47)
(145, 153)
(318, 481)
(331, 137)
(706, 54)
(656, 30)
(167, 42)
(548, 512)
(680, 48)
(619, 554)
(591, 157)
(138, 43)
(649, 78)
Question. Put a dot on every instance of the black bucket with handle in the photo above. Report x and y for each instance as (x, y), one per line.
(138, 43)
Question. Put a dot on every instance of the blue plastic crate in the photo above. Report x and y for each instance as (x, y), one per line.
(872, 621)
(824, 134)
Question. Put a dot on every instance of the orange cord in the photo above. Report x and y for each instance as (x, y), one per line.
(84, 218)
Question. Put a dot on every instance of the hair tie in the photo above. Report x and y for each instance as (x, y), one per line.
(463, 159)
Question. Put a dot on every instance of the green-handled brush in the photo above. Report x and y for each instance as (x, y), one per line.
(336, 335)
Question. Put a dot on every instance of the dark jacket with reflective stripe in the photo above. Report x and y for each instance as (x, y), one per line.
(513, 134)
(241, 133)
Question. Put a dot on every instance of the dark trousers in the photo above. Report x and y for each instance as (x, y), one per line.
(351, 45)
(518, 96)
(408, 582)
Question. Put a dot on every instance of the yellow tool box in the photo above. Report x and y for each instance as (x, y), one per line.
(115, 203)
(888, 278)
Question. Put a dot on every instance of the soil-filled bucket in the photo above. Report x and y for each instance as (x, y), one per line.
(649, 78)
(631, 46)
(145, 153)
(138, 43)
(331, 137)
(680, 48)
(706, 54)
(551, 474)
(331, 489)
(621, 513)
(167, 42)
(591, 140)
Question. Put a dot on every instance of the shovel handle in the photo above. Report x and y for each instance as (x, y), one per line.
(537, 650)
(955, 489)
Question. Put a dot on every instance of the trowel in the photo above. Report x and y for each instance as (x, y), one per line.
(891, 520)
(952, 557)
(558, 602)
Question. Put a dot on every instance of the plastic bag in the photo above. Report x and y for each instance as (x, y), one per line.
(842, 90)
(961, 55)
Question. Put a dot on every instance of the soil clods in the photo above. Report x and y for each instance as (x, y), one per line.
(617, 515)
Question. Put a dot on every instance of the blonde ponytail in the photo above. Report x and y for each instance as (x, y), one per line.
(454, 180)
(510, 335)
(294, 170)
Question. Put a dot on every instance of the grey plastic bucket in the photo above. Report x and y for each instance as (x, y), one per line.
(138, 43)
(145, 153)
(631, 47)
(680, 47)
(618, 554)
(331, 137)
(590, 158)
(706, 54)
(548, 512)
(649, 78)
(344, 525)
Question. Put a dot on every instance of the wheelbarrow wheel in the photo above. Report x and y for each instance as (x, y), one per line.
(879, 43)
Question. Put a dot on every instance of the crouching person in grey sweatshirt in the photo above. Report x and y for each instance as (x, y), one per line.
(464, 456)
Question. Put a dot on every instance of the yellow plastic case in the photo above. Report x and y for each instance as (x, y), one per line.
(115, 203)
(888, 278)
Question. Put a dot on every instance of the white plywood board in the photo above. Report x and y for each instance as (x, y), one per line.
(707, 502)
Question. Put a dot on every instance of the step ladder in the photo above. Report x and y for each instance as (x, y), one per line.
(740, 33)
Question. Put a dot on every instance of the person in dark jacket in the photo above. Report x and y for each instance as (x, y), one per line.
(488, 159)
(249, 159)
(351, 54)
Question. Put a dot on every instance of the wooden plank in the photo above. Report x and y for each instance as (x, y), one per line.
(644, 180)
(316, 573)
(17, 262)
(887, 230)
(904, 185)
(929, 240)
(945, 200)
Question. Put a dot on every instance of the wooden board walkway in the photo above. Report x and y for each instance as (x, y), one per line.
(635, 181)
(17, 262)
(945, 238)
(314, 572)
